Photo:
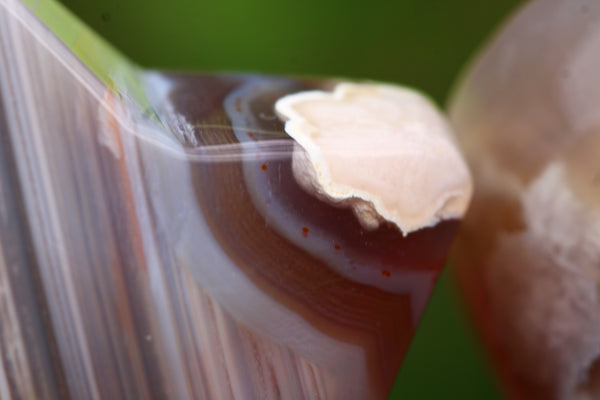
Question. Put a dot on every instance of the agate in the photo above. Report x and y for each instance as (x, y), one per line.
(161, 248)
(528, 254)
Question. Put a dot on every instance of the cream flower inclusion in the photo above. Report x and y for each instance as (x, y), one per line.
(385, 151)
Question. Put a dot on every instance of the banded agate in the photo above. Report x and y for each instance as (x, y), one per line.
(161, 248)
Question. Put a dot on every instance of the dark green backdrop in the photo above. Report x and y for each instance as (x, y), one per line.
(420, 43)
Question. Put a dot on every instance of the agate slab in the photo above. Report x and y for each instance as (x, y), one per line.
(162, 248)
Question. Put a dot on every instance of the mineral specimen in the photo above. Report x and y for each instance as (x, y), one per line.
(154, 242)
(529, 250)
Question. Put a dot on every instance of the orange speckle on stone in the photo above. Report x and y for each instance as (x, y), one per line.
(386, 273)
(305, 231)
(264, 167)
(337, 246)
(250, 135)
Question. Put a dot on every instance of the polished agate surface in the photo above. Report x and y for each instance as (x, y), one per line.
(528, 255)
(165, 250)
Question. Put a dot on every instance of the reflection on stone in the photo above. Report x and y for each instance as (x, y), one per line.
(170, 253)
(528, 257)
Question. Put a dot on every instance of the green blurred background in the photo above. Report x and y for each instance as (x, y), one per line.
(419, 43)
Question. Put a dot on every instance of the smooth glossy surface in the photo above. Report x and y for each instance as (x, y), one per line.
(168, 252)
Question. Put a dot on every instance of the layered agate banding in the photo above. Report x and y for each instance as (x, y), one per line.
(165, 249)
(312, 260)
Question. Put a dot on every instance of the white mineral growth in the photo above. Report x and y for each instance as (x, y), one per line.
(281, 216)
(383, 150)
